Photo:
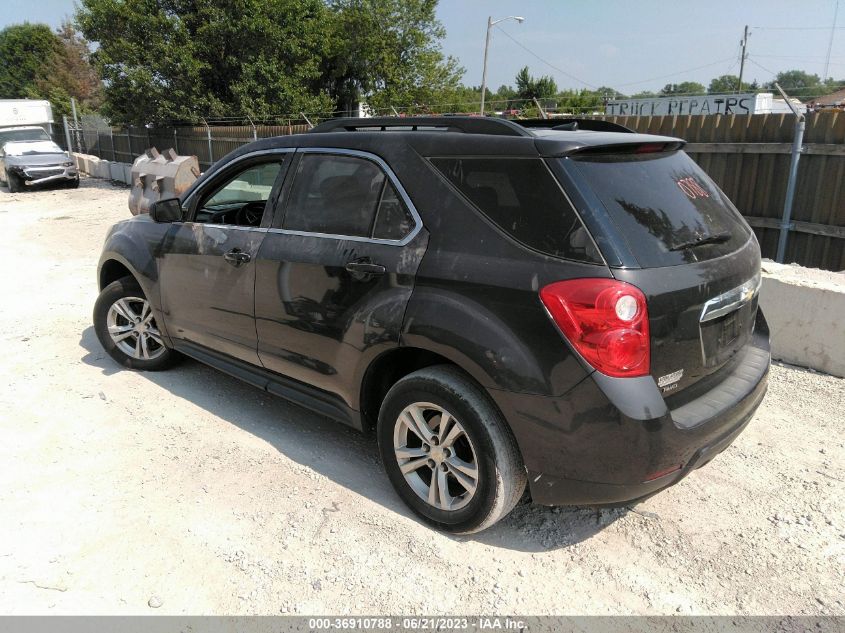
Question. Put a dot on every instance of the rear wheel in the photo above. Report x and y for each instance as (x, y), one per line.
(448, 452)
(15, 183)
(124, 323)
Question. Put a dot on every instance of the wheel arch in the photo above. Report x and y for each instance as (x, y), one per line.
(111, 270)
(386, 369)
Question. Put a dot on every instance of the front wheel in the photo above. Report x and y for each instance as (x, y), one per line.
(448, 452)
(124, 323)
(15, 183)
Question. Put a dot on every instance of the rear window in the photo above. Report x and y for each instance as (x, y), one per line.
(523, 199)
(662, 205)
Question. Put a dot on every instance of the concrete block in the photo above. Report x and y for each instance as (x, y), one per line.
(805, 308)
(116, 171)
(106, 169)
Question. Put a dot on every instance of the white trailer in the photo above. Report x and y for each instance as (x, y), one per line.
(26, 112)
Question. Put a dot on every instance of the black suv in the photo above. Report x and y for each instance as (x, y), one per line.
(563, 304)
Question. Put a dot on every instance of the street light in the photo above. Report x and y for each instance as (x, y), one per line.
(490, 24)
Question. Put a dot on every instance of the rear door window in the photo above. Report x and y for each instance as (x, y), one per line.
(334, 195)
(666, 208)
(346, 196)
(522, 197)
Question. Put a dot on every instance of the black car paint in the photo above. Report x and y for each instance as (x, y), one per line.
(460, 290)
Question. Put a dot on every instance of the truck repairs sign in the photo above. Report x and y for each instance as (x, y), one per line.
(715, 104)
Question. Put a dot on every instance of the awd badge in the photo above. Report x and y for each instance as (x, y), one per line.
(668, 379)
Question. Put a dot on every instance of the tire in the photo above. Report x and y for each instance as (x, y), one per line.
(72, 184)
(15, 183)
(136, 343)
(483, 439)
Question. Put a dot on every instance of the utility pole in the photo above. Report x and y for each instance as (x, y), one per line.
(484, 70)
(830, 43)
(490, 24)
(742, 60)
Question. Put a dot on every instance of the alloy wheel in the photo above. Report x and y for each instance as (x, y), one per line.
(436, 456)
(133, 329)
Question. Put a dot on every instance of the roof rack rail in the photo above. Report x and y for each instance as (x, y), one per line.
(465, 124)
(572, 124)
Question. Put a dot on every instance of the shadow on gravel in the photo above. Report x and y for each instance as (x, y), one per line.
(342, 454)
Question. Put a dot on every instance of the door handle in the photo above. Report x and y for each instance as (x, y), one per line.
(236, 257)
(365, 267)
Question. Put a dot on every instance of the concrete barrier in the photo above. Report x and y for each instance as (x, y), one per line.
(805, 308)
(106, 169)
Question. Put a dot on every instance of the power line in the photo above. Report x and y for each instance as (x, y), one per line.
(548, 63)
(830, 43)
(751, 59)
(680, 72)
(797, 28)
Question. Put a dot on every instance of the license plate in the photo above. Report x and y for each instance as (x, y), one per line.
(721, 338)
(730, 328)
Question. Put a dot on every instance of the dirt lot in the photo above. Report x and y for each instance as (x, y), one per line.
(188, 492)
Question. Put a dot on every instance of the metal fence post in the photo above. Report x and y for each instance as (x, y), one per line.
(76, 127)
(175, 141)
(129, 143)
(67, 134)
(797, 148)
(111, 142)
(208, 136)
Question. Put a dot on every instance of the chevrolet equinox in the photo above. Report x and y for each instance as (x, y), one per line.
(564, 304)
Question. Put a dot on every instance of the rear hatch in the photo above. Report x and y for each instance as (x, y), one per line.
(687, 248)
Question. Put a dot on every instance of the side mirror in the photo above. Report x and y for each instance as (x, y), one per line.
(166, 211)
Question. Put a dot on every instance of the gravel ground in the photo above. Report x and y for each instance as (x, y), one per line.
(187, 492)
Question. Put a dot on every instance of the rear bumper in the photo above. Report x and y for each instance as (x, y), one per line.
(606, 442)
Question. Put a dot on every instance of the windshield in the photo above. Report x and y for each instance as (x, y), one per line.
(33, 134)
(666, 208)
(27, 148)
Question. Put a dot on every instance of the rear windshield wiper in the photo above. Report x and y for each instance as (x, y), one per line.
(716, 238)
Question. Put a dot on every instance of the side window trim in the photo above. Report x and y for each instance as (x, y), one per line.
(284, 154)
(277, 224)
(374, 223)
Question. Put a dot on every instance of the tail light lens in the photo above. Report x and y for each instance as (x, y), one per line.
(605, 320)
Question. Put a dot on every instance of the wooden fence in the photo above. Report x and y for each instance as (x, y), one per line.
(747, 156)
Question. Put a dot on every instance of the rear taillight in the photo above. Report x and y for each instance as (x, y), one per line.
(605, 320)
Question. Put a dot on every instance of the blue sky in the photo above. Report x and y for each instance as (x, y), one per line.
(631, 46)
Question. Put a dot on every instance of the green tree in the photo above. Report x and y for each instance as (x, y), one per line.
(387, 52)
(683, 88)
(187, 59)
(645, 94)
(25, 52)
(69, 74)
(529, 87)
(725, 84)
(797, 81)
(36, 63)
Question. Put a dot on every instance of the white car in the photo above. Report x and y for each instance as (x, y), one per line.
(28, 156)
